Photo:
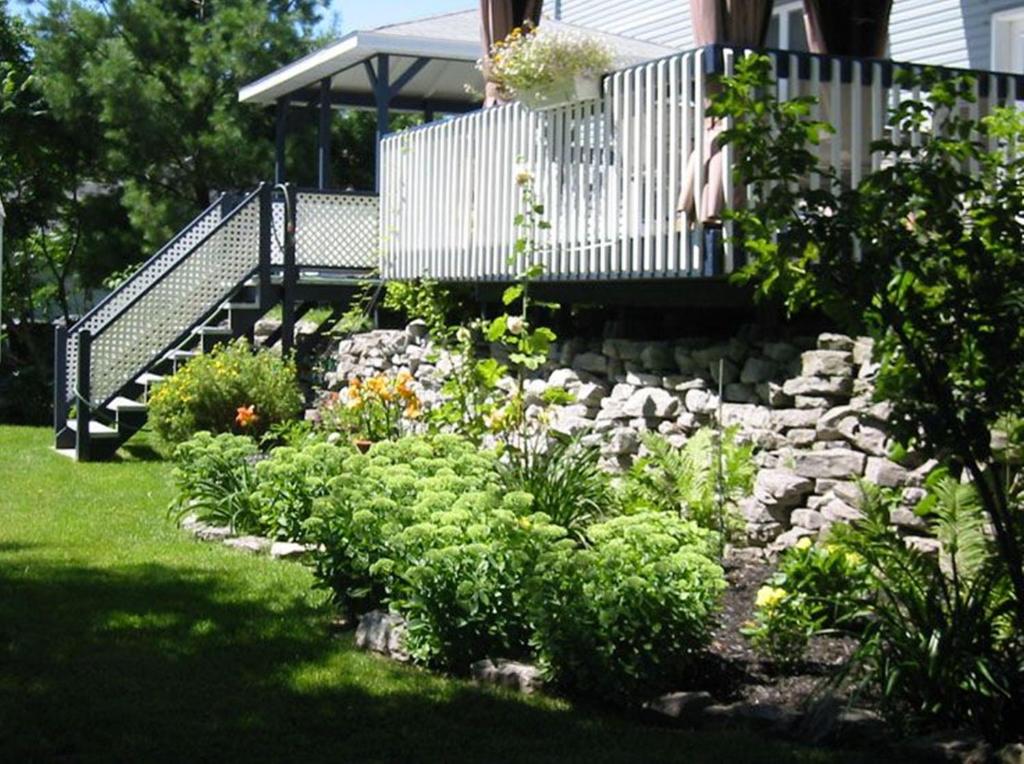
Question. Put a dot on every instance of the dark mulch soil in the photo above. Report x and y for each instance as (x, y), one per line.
(735, 672)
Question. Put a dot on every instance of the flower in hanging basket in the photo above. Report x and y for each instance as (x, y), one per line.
(544, 69)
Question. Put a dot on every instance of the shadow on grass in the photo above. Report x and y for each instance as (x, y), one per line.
(152, 663)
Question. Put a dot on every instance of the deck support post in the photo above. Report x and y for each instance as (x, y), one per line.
(384, 92)
(83, 397)
(280, 137)
(60, 378)
(265, 287)
(323, 153)
(290, 279)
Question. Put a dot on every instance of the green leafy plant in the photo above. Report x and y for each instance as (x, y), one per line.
(230, 389)
(566, 482)
(816, 589)
(289, 482)
(924, 255)
(216, 480)
(702, 481)
(630, 612)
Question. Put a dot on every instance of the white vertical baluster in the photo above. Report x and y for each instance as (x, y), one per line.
(686, 81)
(697, 258)
(727, 179)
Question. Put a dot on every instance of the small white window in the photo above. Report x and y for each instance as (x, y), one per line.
(1008, 40)
(786, 29)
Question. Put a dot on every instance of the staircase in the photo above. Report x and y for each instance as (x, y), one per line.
(211, 283)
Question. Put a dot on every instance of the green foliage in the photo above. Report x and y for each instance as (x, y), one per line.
(630, 612)
(685, 480)
(290, 481)
(441, 306)
(462, 585)
(926, 255)
(940, 647)
(816, 589)
(377, 495)
(216, 480)
(566, 482)
(230, 389)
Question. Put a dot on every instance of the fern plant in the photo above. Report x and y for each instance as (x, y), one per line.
(702, 481)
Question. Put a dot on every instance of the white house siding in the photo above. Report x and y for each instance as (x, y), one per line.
(943, 32)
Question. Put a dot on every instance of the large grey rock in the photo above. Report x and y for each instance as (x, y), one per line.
(624, 441)
(826, 363)
(812, 402)
(564, 378)
(724, 371)
(250, 544)
(828, 341)
(780, 351)
(886, 473)
(785, 419)
(781, 488)
(643, 378)
(657, 357)
(819, 386)
(383, 633)
(289, 550)
(205, 532)
(595, 363)
(701, 401)
(624, 350)
(837, 511)
(590, 394)
(681, 383)
(789, 538)
(810, 519)
(757, 370)
(746, 415)
(834, 463)
(651, 402)
(863, 349)
(521, 677)
(680, 705)
(737, 392)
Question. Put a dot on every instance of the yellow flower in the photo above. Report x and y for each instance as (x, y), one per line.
(804, 543)
(413, 409)
(853, 559)
(769, 596)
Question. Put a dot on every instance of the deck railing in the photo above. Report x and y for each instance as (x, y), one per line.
(613, 172)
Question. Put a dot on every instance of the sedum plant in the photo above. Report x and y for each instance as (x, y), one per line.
(632, 610)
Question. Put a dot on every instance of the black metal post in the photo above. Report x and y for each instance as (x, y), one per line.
(382, 95)
(265, 287)
(323, 163)
(428, 113)
(60, 378)
(280, 137)
(83, 396)
(290, 273)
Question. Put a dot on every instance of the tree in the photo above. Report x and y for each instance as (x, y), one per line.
(926, 255)
(159, 81)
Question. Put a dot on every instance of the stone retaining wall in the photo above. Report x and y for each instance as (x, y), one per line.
(806, 403)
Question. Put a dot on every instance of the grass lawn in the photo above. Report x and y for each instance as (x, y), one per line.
(122, 639)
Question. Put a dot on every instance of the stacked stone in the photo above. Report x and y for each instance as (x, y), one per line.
(805, 403)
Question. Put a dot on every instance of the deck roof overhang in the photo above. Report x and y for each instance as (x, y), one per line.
(432, 72)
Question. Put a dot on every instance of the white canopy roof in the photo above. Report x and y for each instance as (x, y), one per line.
(450, 42)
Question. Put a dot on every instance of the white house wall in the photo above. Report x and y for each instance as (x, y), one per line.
(942, 32)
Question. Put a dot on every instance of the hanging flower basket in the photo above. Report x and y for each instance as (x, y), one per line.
(547, 69)
(582, 87)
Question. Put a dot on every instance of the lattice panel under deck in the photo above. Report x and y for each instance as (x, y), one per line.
(139, 283)
(277, 232)
(175, 303)
(336, 230)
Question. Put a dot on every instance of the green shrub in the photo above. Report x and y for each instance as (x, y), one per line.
(630, 611)
(685, 480)
(815, 589)
(462, 588)
(216, 480)
(376, 496)
(291, 479)
(230, 389)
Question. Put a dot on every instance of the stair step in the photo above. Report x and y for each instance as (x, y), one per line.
(96, 429)
(126, 404)
(178, 355)
(240, 306)
(149, 378)
(216, 331)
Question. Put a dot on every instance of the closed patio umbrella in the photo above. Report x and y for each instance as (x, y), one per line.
(497, 19)
(728, 22)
